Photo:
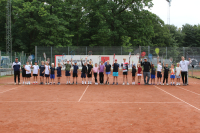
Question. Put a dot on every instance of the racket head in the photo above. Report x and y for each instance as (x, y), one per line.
(157, 50)
(143, 54)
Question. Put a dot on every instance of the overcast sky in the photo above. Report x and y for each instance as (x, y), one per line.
(181, 11)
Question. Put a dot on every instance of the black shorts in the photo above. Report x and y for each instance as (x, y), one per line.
(125, 73)
(23, 75)
(47, 75)
(28, 75)
(133, 75)
(83, 75)
(35, 74)
(89, 75)
(59, 75)
(75, 75)
(42, 74)
(159, 74)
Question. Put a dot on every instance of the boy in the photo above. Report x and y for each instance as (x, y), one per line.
(83, 72)
(166, 73)
(108, 71)
(125, 71)
(47, 68)
(59, 73)
(95, 71)
(35, 72)
(90, 67)
(139, 73)
(153, 73)
(133, 73)
(178, 74)
(101, 72)
(115, 72)
(75, 71)
(67, 71)
(52, 73)
(28, 72)
(42, 67)
(159, 71)
(172, 76)
(23, 74)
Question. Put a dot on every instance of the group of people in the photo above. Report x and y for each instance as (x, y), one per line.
(47, 73)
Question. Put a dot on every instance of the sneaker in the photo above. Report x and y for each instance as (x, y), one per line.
(50, 83)
(58, 83)
(33, 83)
(127, 84)
(54, 83)
(67, 83)
(14, 83)
(113, 83)
(23, 83)
(117, 83)
(167, 84)
(76, 83)
(19, 83)
(139, 83)
(123, 84)
(108, 83)
(132, 83)
(85, 82)
(72, 83)
(46, 83)
(163, 84)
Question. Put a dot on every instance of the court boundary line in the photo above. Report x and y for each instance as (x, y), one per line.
(83, 94)
(177, 98)
(188, 90)
(90, 102)
(11, 89)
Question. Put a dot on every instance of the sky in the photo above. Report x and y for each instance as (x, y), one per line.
(181, 11)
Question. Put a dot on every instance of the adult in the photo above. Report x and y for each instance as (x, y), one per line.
(146, 71)
(16, 66)
(184, 69)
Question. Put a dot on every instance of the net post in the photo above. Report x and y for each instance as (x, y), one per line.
(51, 54)
(36, 53)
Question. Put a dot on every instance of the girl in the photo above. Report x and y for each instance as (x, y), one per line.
(23, 74)
(159, 71)
(59, 72)
(52, 75)
(83, 72)
(153, 73)
(28, 72)
(139, 73)
(133, 73)
(172, 76)
(178, 74)
(35, 72)
(95, 70)
(90, 67)
(47, 68)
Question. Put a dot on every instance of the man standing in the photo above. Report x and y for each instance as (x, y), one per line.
(146, 71)
(184, 69)
(16, 66)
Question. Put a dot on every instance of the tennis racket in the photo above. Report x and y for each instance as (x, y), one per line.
(129, 57)
(114, 58)
(157, 51)
(63, 57)
(72, 54)
(44, 56)
(150, 57)
(143, 54)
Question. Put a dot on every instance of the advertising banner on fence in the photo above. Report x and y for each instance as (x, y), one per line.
(95, 59)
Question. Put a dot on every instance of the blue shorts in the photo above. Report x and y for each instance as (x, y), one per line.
(172, 76)
(115, 74)
(153, 76)
(159, 74)
(83, 75)
(52, 76)
(67, 73)
(107, 73)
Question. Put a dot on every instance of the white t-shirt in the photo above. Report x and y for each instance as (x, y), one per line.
(159, 68)
(47, 67)
(184, 65)
(35, 69)
(178, 71)
(28, 67)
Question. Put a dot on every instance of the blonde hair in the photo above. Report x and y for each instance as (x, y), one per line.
(178, 63)
(52, 63)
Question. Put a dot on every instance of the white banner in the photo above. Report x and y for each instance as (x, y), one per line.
(95, 59)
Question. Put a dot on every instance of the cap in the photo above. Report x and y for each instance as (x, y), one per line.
(35, 61)
(124, 58)
(75, 61)
(115, 59)
(145, 58)
(16, 57)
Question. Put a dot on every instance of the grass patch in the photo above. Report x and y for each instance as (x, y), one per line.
(195, 77)
(6, 76)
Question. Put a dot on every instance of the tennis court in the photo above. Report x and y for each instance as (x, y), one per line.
(99, 108)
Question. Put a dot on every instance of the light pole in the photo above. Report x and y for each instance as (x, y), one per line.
(168, 19)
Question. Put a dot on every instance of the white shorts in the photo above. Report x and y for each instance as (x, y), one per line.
(139, 74)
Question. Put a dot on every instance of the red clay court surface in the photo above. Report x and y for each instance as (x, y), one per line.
(103, 108)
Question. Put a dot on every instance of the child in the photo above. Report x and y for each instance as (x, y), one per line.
(28, 72)
(178, 74)
(166, 73)
(125, 71)
(42, 68)
(52, 73)
(172, 76)
(159, 71)
(23, 74)
(153, 73)
(101, 72)
(47, 68)
(108, 71)
(115, 72)
(35, 72)
(83, 72)
(95, 71)
(75, 71)
(139, 73)
(59, 72)
(67, 71)
(133, 73)
(90, 67)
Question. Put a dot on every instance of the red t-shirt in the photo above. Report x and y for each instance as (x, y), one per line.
(139, 70)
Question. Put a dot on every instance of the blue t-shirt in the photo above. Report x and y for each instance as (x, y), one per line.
(42, 67)
(59, 70)
(75, 68)
(115, 67)
(16, 66)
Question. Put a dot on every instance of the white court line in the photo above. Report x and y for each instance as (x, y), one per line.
(87, 102)
(83, 94)
(189, 90)
(10, 89)
(178, 98)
